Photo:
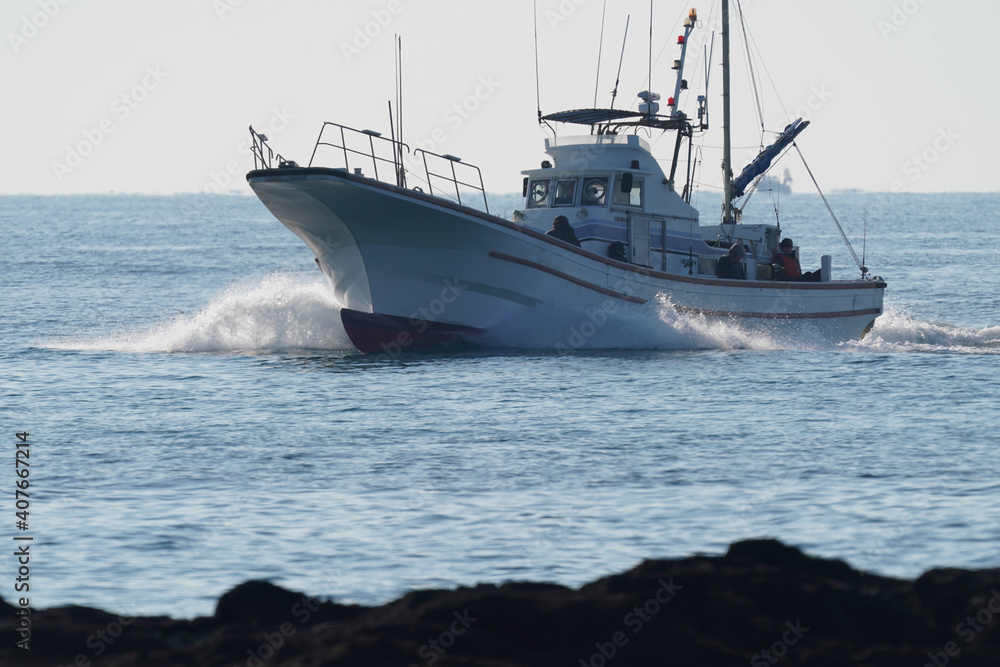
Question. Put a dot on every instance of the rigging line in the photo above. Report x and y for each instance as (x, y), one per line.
(750, 68)
(600, 51)
(864, 243)
(649, 85)
(621, 59)
(538, 85)
(774, 86)
(760, 179)
(857, 261)
(399, 108)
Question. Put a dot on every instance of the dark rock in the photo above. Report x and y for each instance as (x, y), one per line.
(257, 603)
(763, 603)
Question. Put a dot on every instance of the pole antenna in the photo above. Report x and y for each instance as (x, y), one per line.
(600, 51)
(538, 85)
(621, 59)
(864, 245)
(397, 127)
(650, 79)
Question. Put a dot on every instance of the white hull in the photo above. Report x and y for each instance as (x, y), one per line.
(396, 253)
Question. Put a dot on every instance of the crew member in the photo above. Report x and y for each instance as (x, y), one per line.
(562, 230)
(786, 265)
(731, 265)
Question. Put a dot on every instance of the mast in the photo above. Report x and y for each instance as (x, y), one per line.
(727, 148)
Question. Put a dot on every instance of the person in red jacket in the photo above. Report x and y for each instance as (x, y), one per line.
(787, 267)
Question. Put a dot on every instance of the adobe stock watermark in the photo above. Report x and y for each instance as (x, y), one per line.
(818, 97)
(421, 319)
(371, 30)
(779, 649)
(566, 9)
(557, 529)
(968, 630)
(433, 649)
(273, 641)
(32, 25)
(456, 115)
(634, 620)
(220, 179)
(891, 534)
(596, 318)
(121, 108)
(900, 16)
(754, 504)
(102, 638)
(224, 8)
(920, 164)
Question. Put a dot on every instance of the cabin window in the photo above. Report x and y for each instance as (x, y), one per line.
(633, 197)
(595, 192)
(538, 194)
(565, 192)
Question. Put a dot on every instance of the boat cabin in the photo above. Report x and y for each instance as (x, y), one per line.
(613, 191)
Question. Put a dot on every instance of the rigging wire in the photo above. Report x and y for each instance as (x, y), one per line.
(401, 178)
(750, 69)
(774, 86)
(659, 55)
(650, 78)
(621, 59)
(538, 85)
(861, 265)
(600, 51)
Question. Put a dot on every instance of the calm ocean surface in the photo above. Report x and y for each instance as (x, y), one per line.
(198, 418)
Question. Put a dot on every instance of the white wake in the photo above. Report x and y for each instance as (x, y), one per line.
(278, 312)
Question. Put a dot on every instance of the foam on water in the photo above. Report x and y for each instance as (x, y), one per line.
(656, 325)
(287, 312)
(896, 331)
(278, 312)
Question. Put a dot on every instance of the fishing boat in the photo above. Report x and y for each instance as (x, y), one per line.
(431, 265)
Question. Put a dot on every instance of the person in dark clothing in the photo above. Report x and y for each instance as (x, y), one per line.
(786, 265)
(616, 251)
(562, 230)
(731, 266)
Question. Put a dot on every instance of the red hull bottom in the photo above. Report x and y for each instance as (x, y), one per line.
(372, 332)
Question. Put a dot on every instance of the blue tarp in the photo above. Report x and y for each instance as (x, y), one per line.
(763, 161)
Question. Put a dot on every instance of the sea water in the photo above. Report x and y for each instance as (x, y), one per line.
(198, 417)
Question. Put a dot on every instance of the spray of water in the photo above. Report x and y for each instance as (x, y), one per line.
(896, 331)
(278, 312)
(283, 312)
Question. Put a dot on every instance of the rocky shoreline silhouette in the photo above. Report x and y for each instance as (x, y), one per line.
(763, 603)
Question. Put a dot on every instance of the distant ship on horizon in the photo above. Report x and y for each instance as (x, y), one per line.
(780, 186)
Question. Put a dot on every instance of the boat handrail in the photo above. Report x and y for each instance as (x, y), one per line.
(397, 149)
(262, 159)
(453, 178)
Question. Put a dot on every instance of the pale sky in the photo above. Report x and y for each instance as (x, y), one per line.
(156, 97)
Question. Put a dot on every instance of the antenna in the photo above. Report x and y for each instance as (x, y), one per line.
(650, 79)
(538, 86)
(397, 127)
(864, 245)
(600, 50)
(614, 93)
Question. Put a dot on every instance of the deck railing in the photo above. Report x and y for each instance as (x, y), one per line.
(360, 150)
(452, 162)
(263, 156)
(368, 146)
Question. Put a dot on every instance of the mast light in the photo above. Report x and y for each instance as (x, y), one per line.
(693, 15)
(680, 39)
